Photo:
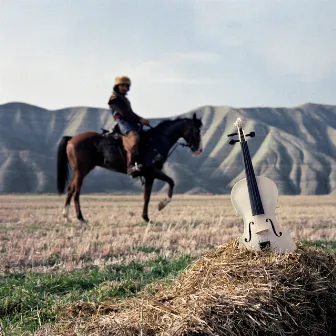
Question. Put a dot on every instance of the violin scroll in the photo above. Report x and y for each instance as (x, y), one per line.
(239, 124)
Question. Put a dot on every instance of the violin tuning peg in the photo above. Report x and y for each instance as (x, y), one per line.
(232, 141)
(251, 134)
(232, 134)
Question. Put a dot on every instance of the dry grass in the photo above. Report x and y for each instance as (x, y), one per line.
(226, 292)
(33, 235)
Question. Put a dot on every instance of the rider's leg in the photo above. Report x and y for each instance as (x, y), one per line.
(131, 144)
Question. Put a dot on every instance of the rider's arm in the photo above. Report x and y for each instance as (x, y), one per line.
(128, 114)
(115, 107)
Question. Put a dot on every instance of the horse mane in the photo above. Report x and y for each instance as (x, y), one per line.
(167, 122)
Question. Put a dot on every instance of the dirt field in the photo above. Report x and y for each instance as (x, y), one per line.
(34, 236)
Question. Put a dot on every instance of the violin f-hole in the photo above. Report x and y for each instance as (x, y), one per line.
(280, 233)
(250, 234)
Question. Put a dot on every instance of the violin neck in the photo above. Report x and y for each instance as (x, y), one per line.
(252, 186)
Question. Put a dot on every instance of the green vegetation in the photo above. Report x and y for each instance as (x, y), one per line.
(31, 299)
(36, 241)
(328, 245)
(147, 249)
(143, 223)
(28, 300)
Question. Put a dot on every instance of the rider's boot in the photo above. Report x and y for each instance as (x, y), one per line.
(131, 141)
(134, 168)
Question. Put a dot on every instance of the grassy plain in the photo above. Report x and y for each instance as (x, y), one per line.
(46, 262)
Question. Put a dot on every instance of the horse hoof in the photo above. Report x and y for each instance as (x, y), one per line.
(82, 221)
(145, 218)
(65, 212)
(164, 203)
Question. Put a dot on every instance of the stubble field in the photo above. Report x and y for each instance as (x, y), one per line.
(39, 250)
(34, 236)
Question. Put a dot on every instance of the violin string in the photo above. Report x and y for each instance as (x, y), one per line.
(249, 180)
(259, 202)
(253, 181)
(255, 200)
(258, 207)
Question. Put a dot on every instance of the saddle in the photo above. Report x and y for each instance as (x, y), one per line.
(115, 132)
(145, 142)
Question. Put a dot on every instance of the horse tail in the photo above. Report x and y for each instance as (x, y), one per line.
(62, 164)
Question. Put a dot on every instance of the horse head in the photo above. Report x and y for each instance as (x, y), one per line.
(192, 134)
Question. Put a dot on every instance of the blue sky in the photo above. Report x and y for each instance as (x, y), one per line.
(179, 54)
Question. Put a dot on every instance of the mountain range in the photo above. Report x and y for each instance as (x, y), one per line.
(295, 147)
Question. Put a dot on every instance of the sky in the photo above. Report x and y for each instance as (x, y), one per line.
(180, 55)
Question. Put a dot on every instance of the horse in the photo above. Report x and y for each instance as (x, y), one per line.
(85, 151)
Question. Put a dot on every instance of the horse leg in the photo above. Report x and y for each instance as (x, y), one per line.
(70, 192)
(78, 181)
(147, 193)
(158, 174)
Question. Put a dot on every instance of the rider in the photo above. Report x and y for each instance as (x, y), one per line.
(128, 122)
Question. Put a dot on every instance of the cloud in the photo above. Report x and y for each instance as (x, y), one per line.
(291, 54)
(285, 37)
(177, 68)
(239, 53)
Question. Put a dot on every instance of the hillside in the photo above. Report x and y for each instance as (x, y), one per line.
(295, 147)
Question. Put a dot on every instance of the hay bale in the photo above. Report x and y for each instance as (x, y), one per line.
(233, 292)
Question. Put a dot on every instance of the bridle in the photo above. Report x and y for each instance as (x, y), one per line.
(177, 143)
(170, 152)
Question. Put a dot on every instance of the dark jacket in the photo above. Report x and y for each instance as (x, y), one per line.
(122, 106)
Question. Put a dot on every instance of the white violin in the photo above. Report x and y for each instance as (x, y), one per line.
(255, 198)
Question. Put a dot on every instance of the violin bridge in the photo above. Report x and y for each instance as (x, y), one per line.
(261, 227)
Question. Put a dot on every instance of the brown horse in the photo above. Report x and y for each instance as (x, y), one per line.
(87, 150)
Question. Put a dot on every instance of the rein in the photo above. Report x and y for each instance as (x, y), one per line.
(177, 144)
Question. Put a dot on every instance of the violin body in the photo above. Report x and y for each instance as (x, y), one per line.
(255, 199)
(261, 231)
